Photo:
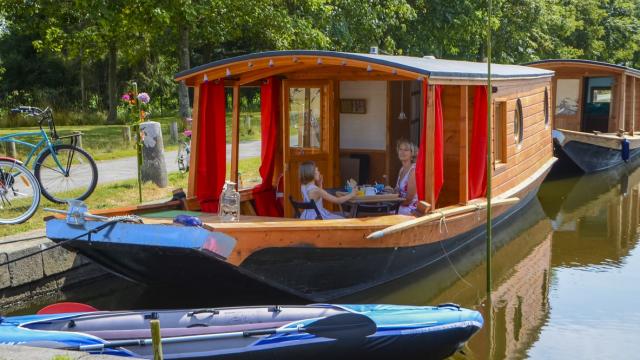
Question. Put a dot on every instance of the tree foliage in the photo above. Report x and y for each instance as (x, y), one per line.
(59, 50)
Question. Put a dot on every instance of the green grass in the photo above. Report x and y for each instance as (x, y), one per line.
(106, 196)
(125, 193)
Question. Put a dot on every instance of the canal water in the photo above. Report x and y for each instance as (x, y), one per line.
(566, 278)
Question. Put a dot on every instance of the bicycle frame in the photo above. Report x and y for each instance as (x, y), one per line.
(45, 144)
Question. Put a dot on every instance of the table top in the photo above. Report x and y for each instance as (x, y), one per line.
(372, 198)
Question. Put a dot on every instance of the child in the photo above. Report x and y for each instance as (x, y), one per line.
(311, 188)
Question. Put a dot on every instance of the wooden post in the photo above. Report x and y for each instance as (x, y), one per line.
(191, 188)
(78, 136)
(430, 150)
(10, 148)
(173, 132)
(156, 339)
(235, 133)
(629, 104)
(464, 144)
(621, 103)
(126, 135)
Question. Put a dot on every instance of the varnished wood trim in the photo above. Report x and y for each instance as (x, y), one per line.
(235, 135)
(195, 137)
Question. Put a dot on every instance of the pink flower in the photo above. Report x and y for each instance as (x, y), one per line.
(144, 98)
(125, 97)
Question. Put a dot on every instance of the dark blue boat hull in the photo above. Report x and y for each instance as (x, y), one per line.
(591, 158)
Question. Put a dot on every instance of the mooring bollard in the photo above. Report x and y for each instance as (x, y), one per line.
(156, 339)
(10, 148)
(154, 167)
(173, 132)
(126, 135)
(78, 136)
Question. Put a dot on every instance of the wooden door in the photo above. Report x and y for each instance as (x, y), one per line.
(307, 120)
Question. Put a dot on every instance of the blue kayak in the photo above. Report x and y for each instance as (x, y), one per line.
(257, 332)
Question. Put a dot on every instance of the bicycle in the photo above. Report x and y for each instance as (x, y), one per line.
(184, 153)
(19, 192)
(60, 169)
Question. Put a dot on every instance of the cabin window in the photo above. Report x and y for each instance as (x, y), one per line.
(567, 94)
(499, 132)
(546, 107)
(305, 118)
(518, 126)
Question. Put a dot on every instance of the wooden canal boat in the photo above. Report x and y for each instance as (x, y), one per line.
(597, 112)
(340, 110)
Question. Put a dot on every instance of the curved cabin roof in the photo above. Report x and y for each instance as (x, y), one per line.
(252, 67)
(586, 64)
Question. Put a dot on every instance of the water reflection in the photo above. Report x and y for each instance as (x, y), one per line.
(565, 275)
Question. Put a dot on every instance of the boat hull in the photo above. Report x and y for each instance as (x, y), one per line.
(593, 153)
(308, 272)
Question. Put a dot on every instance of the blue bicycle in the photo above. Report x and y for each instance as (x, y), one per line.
(64, 171)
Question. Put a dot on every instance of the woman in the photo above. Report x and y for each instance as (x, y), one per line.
(406, 184)
(311, 188)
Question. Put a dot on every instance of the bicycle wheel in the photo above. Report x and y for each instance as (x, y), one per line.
(76, 180)
(183, 157)
(19, 193)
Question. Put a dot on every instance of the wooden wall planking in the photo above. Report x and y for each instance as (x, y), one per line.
(636, 100)
(450, 193)
(536, 147)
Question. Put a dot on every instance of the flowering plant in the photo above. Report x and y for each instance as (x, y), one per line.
(137, 104)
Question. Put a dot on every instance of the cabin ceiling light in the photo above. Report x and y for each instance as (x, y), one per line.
(369, 68)
(227, 72)
(271, 63)
(319, 61)
(250, 64)
(295, 59)
(394, 72)
(343, 63)
(402, 115)
(205, 78)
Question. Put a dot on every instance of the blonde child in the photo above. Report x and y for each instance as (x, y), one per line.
(311, 188)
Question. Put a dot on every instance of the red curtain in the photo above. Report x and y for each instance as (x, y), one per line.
(438, 161)
(438, 139)
(211, 161)
(478, 155)
(420, 160)
(264, 194)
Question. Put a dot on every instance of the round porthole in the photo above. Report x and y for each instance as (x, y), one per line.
(518, 126)
(546, 107)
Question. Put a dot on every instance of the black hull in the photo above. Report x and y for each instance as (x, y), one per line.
(591, 158)
(316, 274)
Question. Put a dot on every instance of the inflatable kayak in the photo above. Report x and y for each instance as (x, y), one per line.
(256, 332)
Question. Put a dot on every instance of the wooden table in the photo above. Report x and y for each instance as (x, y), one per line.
(368, 199)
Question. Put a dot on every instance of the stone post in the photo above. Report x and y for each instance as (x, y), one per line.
(126, 135)
(154, 167)
(173, 132)
(10, 148)
(78, 136)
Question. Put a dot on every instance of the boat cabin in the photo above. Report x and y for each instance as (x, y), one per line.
(346, 112)
(593, 96)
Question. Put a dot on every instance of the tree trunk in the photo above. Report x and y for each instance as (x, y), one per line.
(184, 64)
(112, 86)
(83, 94)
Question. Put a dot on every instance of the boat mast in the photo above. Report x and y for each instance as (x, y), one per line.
(489, 149)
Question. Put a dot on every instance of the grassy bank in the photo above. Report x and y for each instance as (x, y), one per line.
(125, 193)
(106, 196)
